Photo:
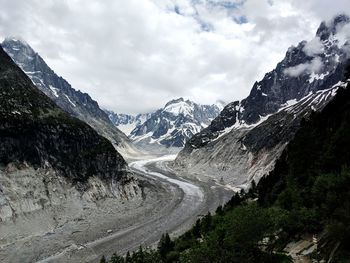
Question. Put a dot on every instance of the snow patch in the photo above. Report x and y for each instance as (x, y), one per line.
(71, 102)
(54, 91)
(241, 125)
(315, 76)
(127, 128)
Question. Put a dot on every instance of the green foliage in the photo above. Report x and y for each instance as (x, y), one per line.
(139, 256)
(165, 245)
(311, 180)
(116, 259)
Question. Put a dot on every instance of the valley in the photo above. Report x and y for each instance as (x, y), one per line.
(168, 204)
(164, 168)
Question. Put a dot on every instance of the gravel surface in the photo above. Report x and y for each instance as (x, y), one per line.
(169, 204)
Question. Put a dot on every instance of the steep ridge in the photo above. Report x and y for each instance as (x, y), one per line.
(243, 142)
(74, 102)
(36, 131)
(175, 123)
(55, 170)
(312, 175)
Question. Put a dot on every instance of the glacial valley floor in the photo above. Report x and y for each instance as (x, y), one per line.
(170, 204)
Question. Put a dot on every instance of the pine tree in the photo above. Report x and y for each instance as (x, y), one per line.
(103, 260)
(165, 245)
(219, 210)
(116, 259)
(128, 258)
(196, 230)
(206, 223)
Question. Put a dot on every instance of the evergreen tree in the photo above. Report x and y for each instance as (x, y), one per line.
(128, 258)
(116, 259)
(196, 230)
(219, 210)
(165, 246)
(206, 223)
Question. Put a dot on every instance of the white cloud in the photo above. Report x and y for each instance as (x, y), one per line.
(343, 34)
(314, 47)
(314, 66)
(133, 56)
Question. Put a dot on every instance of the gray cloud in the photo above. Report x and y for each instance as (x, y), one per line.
(133, 56)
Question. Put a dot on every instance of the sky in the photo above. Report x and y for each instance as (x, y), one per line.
(133, 56)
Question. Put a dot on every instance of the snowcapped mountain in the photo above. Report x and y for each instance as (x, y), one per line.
(242, 143)
(170, 126)
(126, 122)
(74, 102)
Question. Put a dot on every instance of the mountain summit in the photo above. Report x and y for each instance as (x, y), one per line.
(170, 126)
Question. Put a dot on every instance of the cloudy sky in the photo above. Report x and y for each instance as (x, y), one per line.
(134, 55)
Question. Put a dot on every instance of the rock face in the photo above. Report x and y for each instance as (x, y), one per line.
(243, 142)
(34, 130)
(174, 124)
(76, 103)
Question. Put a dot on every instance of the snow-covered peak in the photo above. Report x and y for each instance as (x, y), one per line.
(179, 106)
(17, 44)
(18, 40)
(174, 124)
(19, 50)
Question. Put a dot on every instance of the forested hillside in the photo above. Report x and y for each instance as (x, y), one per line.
(306, 193)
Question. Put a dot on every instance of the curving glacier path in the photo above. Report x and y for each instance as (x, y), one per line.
(180, 202)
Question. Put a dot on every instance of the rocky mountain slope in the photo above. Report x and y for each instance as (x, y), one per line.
(174, 124)
(36, 133)
(55, 170)
(74, 102)
(243, 142)
(311, 182)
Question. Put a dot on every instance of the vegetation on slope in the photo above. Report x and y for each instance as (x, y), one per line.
(307, 192)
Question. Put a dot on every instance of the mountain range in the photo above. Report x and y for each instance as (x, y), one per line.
(170, 126)
(243, 142)
(63, 168)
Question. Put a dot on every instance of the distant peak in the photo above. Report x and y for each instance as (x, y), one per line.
(15, 39)
(341, 18)
(174, 101)
(17, 45)
(326, 29)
